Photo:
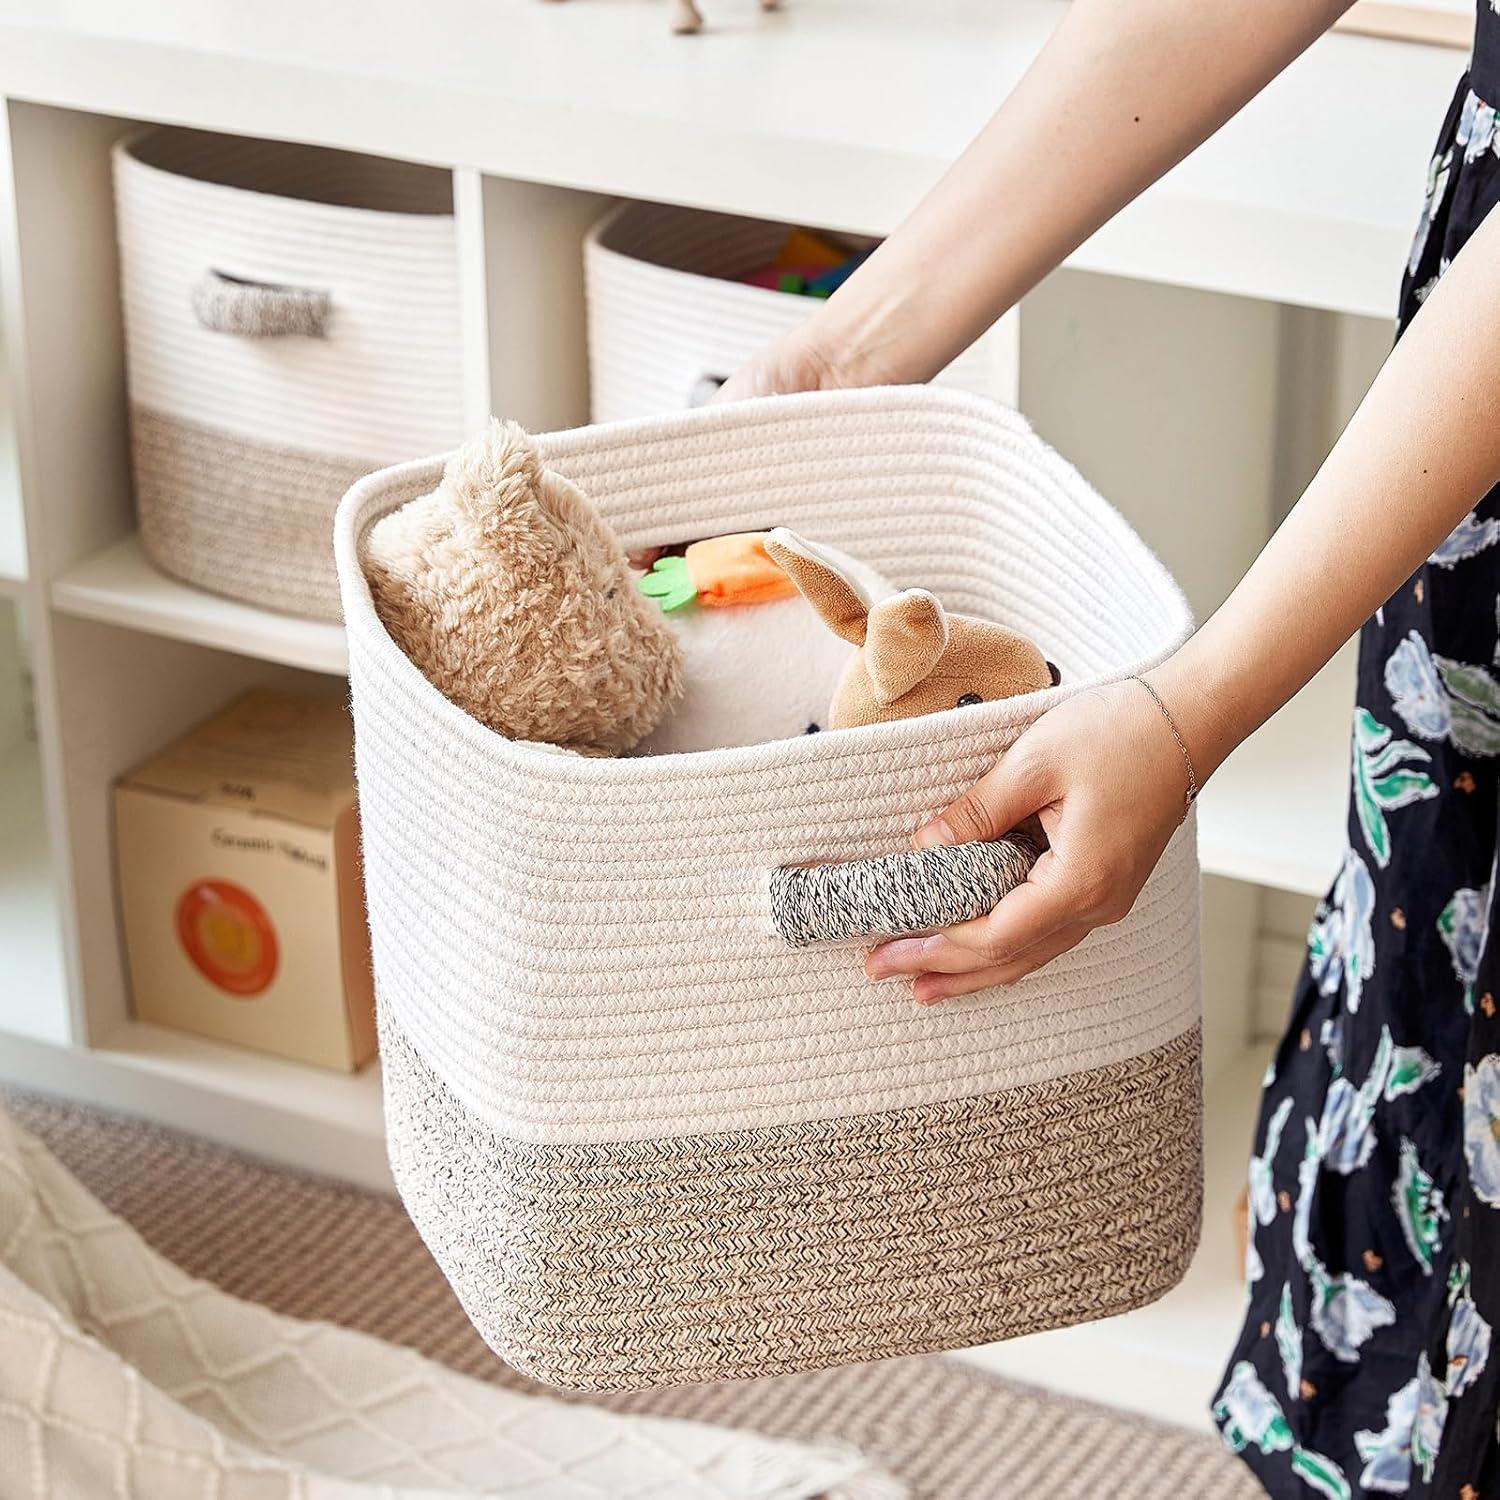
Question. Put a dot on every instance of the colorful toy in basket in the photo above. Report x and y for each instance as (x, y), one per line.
(758, 663)
(912, 657)
(515, 599)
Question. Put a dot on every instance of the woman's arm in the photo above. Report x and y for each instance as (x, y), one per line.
(1102, 769)
(1122, 91)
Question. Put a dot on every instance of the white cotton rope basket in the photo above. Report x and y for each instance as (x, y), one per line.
(668, 312)
(292, 320)
(648, 1141)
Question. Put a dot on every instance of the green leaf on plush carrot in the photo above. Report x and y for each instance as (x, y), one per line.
(669, 584)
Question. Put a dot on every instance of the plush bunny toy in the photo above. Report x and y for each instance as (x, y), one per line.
(912, 658)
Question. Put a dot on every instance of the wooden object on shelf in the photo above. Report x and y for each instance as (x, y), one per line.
(1431, 25)
(687, 19)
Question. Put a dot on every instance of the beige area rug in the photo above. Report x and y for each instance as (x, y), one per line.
(310, 1248)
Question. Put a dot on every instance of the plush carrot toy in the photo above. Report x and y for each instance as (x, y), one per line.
(722, 571)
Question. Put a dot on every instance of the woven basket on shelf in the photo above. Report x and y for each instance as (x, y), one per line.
(647, 1141)
(666, 312)
(292, 321)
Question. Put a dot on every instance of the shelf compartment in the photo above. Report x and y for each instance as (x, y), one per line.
(119, 586)
(330, 1123)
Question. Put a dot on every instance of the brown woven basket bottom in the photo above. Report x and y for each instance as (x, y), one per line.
(248, 520)
(662, 1262)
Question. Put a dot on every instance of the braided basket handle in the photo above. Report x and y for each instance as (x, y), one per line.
(918, 890)
(704, 389)
(259, 309)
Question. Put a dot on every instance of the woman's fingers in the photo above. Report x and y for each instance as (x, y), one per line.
(1018, 785)
(1027, 915)
(930, 988)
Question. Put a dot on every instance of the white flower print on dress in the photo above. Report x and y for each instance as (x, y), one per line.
(1469, 1336)
(1468, 539)
(1482, 1128)
(1341, 942)
(1438, 172)
(1412, 680)
(1414, 1418)
(1344, 1311)
(1443, 699)
(1289, 1342)
(1249, 1415)
(1476, 127)
(1346, 1134)
(1462, 924)
(1307, 1181)
(1262, 1190)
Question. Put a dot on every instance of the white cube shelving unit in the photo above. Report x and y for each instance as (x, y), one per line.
(1177, 362)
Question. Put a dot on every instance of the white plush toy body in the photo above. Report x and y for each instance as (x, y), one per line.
(755, 670)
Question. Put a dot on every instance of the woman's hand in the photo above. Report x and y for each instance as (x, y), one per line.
(1105, 776)
(796, 361)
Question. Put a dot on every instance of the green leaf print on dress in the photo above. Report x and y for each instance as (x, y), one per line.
(1442, 699)
(1384, 780)
(1320, 1473)
(1414, 1418)
(1419, 1206)
(1341, 942)
(1462, 924)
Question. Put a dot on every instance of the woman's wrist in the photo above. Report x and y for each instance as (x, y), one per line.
(1200, 702)
(869, 334)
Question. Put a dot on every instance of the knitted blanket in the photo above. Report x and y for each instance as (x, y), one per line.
(123, 1377)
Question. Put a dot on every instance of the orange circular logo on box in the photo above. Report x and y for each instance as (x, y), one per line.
(228, 936)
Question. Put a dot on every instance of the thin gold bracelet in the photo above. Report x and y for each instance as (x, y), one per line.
(1187, 760)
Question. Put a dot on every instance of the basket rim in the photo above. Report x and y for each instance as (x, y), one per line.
(125, 157)
(596, 249)
(1002, 721)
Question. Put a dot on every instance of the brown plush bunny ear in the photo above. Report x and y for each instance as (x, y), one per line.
(838, 600)
(907, 637)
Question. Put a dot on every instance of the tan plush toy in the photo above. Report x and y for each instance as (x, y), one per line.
(914, 657)
(514, 598)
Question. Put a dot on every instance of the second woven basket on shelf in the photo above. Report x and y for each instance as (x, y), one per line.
(292, 321)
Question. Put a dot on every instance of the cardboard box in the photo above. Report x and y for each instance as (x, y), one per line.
(238, 856)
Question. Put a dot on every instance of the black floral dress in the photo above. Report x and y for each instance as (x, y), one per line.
(1367, 1363)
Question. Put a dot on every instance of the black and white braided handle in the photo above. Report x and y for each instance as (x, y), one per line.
(917, 890)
